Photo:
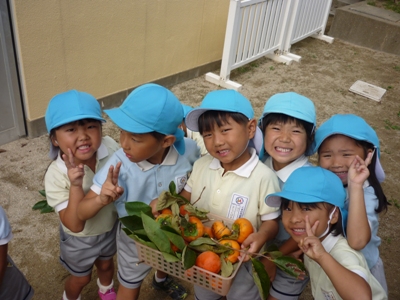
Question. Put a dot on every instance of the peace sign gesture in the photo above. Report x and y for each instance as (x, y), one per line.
(358, 170)
(111, 191)
(311, 245)
(75, 172)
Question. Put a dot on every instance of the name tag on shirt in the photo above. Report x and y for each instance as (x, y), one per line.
(237, 207)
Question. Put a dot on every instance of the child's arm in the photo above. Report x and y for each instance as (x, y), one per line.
(68, 216)
(348, 284)
(267, 231)
(3, 261)
(358, 228)
(110, 191)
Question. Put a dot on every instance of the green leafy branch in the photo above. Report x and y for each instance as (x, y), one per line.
(42, 205)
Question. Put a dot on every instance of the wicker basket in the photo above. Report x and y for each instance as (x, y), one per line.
(195, 275)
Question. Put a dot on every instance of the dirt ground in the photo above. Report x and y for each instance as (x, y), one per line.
(324, 74)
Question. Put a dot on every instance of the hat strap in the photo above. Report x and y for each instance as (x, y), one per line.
(329, 223)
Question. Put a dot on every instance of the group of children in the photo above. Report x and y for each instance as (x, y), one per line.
(258, 170)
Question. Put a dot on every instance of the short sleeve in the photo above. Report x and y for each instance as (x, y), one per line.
(5, 228)
(57, 186)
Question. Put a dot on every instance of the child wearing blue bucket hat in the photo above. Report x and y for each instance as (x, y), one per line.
(153, 153)
(313, 213)
(349, 147)
(231, 181)
(194, 135)
(74, 121)
(288, 122)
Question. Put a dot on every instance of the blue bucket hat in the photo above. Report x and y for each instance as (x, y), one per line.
(312, 185)
(354, 127)
(186, 109)
(229, 101)
(69, 107)
(291, 104)
(151, 107)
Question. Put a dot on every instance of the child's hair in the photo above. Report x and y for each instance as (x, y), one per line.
(276, 118)
(335, 229)
(80, 123)
(213, 117)
(364, 136)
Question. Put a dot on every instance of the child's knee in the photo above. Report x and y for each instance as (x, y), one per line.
(104, 265)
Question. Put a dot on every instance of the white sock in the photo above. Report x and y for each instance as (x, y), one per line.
(65, 296)
(159, 279)
(103, 289)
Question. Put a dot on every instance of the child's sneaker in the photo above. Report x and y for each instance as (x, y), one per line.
(172, 288)
(109, 295)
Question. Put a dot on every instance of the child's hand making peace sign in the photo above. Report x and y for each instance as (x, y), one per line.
(75, 173)
(110, 190)
(358, 171)
(311, 245)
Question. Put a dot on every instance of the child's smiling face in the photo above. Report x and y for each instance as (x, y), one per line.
(294, 218)
(229, 142)
(285, 142)
(83, 137)
(337, 153)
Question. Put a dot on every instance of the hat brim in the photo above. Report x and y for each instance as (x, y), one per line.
(192, 118)
(257, 142)
(125, 122)
(275, 200)
(76, 118)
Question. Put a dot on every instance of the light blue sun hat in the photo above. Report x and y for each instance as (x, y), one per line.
(151, 108)
(312, 185)
(291, 104)
(69, 107)
(229, 101)
(186, 109)
(354, 127)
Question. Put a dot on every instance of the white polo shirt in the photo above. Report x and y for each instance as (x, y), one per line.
(235, 194)
(339, 249)
(57, 187)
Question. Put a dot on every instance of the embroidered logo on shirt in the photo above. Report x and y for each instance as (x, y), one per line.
(237, 207)
(180, 183)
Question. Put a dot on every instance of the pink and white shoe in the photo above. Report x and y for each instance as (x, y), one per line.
(109, 295)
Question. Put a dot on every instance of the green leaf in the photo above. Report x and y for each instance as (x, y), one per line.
(175, 239)
(204, 248)
(290, 266)
(47, 209)
(43, 193)
(172, 188)
(226, 267)
(135, 208)
(133, 222)
(201, 241)
(155, 234)
(39, 205)
(137, 239)
(188, 258)
(169, 257)
(261, 278)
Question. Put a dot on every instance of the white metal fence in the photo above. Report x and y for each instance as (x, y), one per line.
(257, 28)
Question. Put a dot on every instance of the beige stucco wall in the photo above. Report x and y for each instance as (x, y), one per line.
(104, 47)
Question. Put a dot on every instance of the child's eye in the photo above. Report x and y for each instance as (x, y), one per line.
(206, 135)
(287, 209)
(306, 208)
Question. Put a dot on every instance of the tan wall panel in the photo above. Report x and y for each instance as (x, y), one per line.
(104, 47)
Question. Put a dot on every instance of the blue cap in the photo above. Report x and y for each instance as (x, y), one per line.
(186, 109)
(229, 101)
(311, 185)
(293, 105)
(354, 127)
(71, 106)
(149, 108)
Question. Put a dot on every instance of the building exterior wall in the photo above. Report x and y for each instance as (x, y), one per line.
(109, 47)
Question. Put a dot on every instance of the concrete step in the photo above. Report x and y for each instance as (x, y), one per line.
(340, 3)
